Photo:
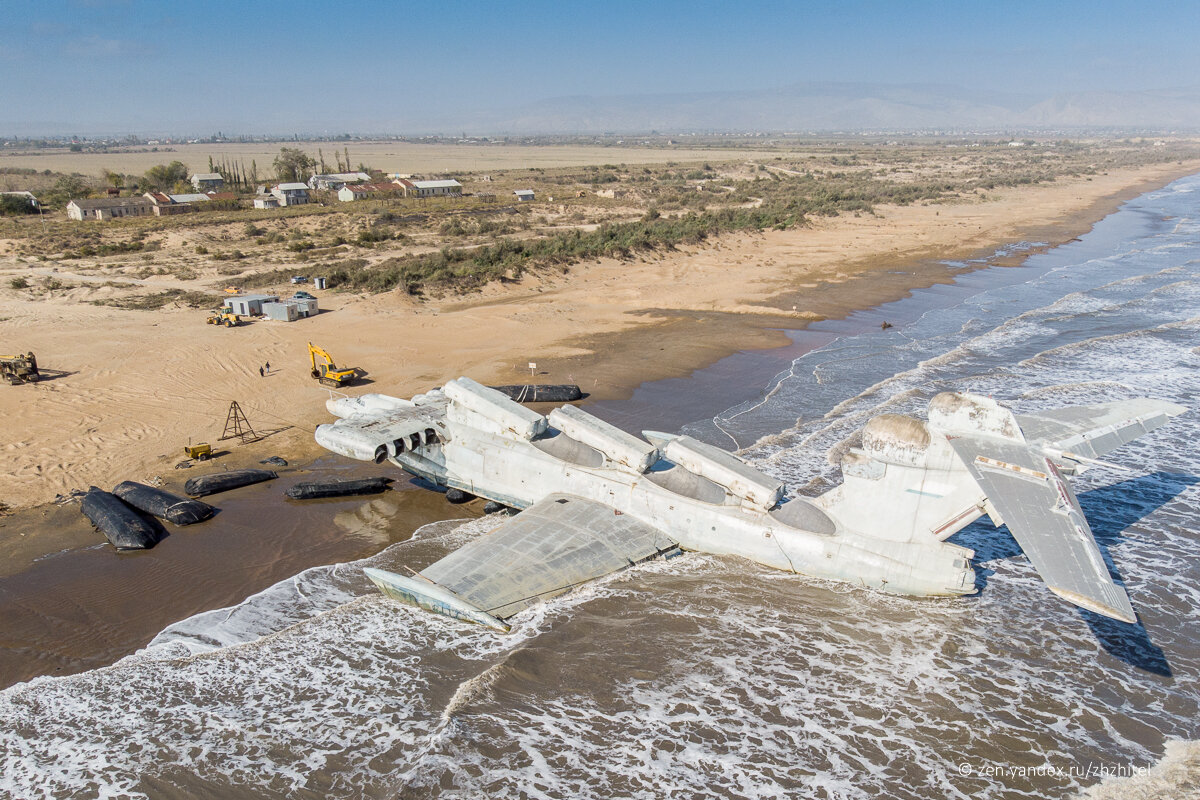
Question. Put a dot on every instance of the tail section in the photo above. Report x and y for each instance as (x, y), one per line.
(1027, 492)
(974, 456)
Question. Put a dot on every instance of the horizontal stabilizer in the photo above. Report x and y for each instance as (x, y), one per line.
(1092, 431)
(1034, 500)
(545, 551)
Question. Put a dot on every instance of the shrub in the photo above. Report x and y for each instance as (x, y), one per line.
(150, 302)
(15, 205)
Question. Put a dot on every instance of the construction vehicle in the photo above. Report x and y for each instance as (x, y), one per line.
(19, 369)
(326, 371)
(198, 452)
(224, 316)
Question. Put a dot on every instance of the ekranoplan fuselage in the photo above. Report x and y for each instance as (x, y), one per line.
(909, 487)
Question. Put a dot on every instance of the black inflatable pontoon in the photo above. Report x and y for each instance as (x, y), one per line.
(224, 481)
(545, 393)
(343, 488)
(119, 523)
(164, 505)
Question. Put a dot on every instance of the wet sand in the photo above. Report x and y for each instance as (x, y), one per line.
(69, 603)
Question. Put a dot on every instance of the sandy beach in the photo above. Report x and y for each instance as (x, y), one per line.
(129, 389)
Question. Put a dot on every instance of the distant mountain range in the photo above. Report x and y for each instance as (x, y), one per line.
(822, 107)
(800, 108)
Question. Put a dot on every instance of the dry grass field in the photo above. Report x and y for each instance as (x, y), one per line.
(386, 156)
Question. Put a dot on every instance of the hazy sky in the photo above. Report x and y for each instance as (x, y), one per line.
(246, 66)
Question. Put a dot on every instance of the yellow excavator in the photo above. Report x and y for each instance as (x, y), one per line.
(326, 371)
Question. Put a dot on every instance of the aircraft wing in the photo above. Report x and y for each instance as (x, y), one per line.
(1032, 497)
(546, 550)
(1092, 431)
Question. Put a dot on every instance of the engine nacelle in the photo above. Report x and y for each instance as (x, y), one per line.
(727, 470)
(485, 409)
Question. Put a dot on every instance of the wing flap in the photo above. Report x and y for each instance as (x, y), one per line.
(546, 550)
(1037, 504)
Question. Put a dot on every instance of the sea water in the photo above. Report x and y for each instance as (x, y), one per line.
(711, 676)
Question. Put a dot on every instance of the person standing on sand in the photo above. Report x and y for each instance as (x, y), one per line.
(260, 372)
(268, 367)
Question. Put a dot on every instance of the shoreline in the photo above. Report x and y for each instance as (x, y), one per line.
(51, 552)
(701, 338)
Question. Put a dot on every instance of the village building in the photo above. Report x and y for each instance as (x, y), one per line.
(443, 188)
(362, 191)
(266, 201)
(203, 181)
(222, 200)
(165, 206)
(524, 195)
(188, 198)
(290, 194)
(110, 208)
(336, 181)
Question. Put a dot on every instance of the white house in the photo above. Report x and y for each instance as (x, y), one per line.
(203, 181)
(291, 194)
(350, 193)
(110, 208)
(266, 201)
(524, 195)
(446, 188)
(362, 191)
